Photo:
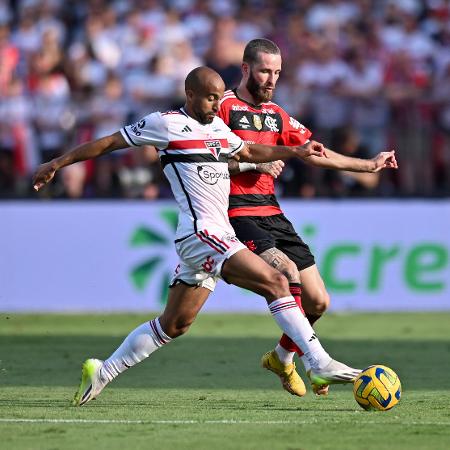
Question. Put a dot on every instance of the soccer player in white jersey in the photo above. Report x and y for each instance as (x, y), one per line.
(194, 146)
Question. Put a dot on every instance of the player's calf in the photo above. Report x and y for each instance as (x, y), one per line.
(137, 346)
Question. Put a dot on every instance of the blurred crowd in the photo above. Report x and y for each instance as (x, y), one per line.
(364, 76)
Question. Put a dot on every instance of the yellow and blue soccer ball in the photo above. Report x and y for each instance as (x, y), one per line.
(377, 388)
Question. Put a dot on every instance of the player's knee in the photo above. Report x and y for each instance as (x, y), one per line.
(319, 304)
(175, 327)
(182, 325)
(323, 303)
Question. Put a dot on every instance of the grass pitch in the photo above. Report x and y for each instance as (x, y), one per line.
(206, 390)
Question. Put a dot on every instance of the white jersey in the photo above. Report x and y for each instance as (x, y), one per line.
(194, 157)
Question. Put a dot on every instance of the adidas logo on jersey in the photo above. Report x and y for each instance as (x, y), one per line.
(186, 129)
(244, 123)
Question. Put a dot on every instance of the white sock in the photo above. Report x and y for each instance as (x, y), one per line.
(290, 319)
(137, 346)
(305, 362)
(285, 356)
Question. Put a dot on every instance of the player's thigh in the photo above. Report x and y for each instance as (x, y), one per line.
(280, 261)
(249, 271)
(183, 304)
(315, 298)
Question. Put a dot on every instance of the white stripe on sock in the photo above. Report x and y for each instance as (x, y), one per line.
(160, 337)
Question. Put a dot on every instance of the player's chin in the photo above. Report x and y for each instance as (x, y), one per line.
(266, 94)
(209, 117)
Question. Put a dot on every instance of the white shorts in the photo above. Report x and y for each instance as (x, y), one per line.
(202, 256)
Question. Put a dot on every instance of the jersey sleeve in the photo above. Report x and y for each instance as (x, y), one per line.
(236, 143)
(150, 130)
(294, 133)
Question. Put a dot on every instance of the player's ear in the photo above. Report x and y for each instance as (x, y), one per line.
(245, 67)
(189, 94)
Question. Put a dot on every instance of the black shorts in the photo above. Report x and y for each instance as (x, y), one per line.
(259, 233)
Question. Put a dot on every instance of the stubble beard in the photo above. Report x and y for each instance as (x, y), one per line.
(203, 117)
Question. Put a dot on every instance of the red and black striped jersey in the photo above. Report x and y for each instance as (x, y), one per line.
(252, 193)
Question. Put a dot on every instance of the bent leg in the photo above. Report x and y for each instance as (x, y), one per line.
(286, 347)
(249, 271)
(183, 305)
(314, 299)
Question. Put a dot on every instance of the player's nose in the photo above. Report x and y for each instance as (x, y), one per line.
(271, 80)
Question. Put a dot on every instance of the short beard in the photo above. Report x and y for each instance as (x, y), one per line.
(257, 92)
(202, 118)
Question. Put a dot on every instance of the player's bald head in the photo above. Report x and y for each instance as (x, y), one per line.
(204, 89)
(203, 79)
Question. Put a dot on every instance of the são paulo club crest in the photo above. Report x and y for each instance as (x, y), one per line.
(215, 147)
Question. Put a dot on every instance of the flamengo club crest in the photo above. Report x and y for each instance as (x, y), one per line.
(257, 122)
(214, 147)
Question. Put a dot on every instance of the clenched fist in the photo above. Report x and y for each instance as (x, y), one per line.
(273, 168)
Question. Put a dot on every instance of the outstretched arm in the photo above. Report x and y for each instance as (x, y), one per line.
(341, 162)
(89, 150)
(258, 153)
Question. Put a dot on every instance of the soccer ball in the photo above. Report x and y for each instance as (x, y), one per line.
(377, 387)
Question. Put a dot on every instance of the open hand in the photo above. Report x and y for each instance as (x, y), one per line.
(273, 168)
(43, 175)
(385, 160)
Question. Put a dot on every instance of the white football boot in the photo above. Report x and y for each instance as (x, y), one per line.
(334, 372)
(91, 384)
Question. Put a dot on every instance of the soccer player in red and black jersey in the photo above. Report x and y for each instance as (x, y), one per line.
(254, 211)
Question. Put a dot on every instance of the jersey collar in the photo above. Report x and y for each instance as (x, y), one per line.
(248, 103)
(183, 111)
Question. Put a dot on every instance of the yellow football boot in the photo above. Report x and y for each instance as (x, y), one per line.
(289, 377)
